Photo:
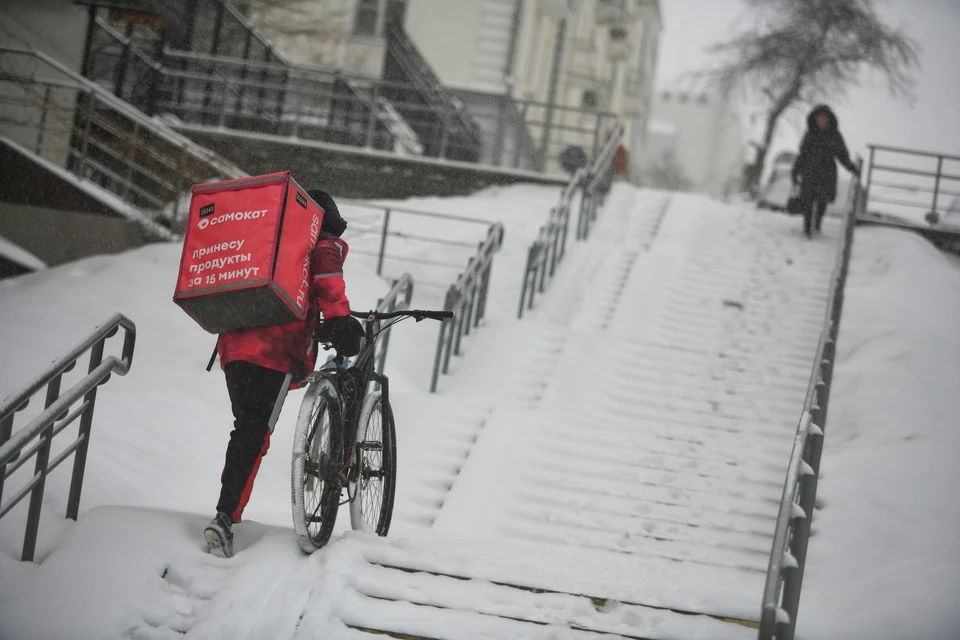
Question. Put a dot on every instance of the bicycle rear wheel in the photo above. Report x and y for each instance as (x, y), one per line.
(317, 452)
(374, 475)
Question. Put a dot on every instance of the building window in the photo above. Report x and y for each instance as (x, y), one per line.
(372, 17)
(366, 17)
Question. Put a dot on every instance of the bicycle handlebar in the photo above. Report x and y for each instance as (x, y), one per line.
(416, 314)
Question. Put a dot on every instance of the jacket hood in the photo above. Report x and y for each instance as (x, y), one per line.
(333, 223)
(812, 116)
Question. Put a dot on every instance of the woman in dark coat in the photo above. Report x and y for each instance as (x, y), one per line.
(815, 168)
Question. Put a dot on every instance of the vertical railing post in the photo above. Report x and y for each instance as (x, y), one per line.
(451, 334)
(597, 132)
(936, 186)
(866, 189)
(36, 495)
(91, 97)
(497, 154)
(484, 291)
(43, 118)
(223, 103)
(86, 421)
(6, 428)
(120, 76)
(526, 280)
(520, 138)
(372, 116)
(383, 241)
(438, 356)
(129, 161)
(445, 134)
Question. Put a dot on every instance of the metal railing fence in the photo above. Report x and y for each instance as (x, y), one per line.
(315, 103)
(398, 297)
(16, 448)
(467, 299)
(781, 595)
(587, 188)
(390, 227)
(65, 118)
(906, 183)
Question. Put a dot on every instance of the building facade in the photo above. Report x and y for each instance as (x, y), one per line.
(698, 138)
(569, 68)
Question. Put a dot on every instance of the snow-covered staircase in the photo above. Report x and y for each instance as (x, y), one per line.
(608, 467)
(637, 456)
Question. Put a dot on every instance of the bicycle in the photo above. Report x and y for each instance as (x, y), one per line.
(346, 439)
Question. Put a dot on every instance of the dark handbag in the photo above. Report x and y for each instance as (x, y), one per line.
(794, 202)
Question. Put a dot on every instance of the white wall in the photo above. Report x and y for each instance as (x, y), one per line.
(56, 27)
(709, 142)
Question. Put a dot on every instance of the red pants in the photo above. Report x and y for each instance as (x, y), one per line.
(257, 394)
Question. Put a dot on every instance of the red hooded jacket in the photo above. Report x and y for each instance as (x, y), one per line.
(289, 347)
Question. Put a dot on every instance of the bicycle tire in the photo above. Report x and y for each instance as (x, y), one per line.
(370, 460)
(320, 405)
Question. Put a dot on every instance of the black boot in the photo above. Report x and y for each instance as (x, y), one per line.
(219, 536)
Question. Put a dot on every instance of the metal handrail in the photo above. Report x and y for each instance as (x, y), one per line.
(14, 446)
(467, 299)
(937, 176)
(781, 595)
(398, 297)
(188, 146)
(549, 247)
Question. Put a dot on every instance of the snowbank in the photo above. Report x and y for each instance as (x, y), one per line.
(16, 253)
(884, 561)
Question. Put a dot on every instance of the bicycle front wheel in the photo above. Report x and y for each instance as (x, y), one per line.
(317, 461)
(374, 476)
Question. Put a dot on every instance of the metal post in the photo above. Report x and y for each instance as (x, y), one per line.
(533, 280)
(519, 139)
(454, 302)
(129, 162)
(552, 94)
(497, 155)
(866, 190)
(484, 290)
(154, 89)
(223, 102)
(91, 97)
(120, 75)
(438, 356)
(445, 135)
(383, 241)
(526, 281)
(87, 63)
(86, 421)
(596, 139)
(542, 266)
(36, 495)
(6, 428)
(372, 116)
(43, 118)
(243, 72)
(936, 185)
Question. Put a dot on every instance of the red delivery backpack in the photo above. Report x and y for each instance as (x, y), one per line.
(247, 253)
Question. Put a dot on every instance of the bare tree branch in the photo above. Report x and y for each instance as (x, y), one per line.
(798, 49)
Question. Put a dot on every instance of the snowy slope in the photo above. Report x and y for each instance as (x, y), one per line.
(884, 561)
(604, 468)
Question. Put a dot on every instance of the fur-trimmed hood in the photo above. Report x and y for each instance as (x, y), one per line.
(817, 110)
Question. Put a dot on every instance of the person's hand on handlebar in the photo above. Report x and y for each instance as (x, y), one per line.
(345, 334)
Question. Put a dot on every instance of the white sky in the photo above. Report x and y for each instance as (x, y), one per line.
(868, 114)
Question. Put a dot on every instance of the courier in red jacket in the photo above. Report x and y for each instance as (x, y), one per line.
(261, 364)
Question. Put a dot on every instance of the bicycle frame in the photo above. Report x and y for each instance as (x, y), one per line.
(365, 363)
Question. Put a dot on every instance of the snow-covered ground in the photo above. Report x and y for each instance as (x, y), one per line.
(604, 468)
(884, 561)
